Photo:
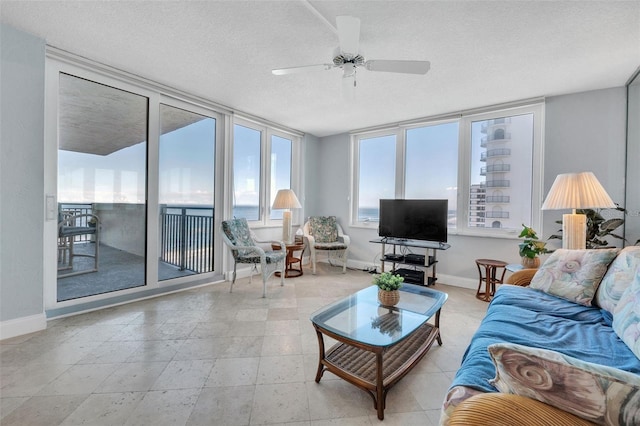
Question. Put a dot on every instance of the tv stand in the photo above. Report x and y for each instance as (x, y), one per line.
(428, 261)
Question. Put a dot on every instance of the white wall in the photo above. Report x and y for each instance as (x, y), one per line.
(632, 224)
(21, 182)
(583, 132)
(586, 132)
(310, 175)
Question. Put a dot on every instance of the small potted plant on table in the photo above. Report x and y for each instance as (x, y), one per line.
(531, 247)
(388, 284)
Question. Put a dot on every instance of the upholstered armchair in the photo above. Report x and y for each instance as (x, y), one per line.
(245, 249)
(323, 233)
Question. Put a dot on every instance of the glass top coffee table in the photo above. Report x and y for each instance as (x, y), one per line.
(378, 345)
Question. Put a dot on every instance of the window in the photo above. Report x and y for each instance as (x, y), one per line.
(431, 164)
(376, 166)
(487, 166)
(501, 167)
(246, 172)
(280, 169)
(262, 164)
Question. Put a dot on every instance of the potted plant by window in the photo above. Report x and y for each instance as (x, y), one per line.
(531, 247)
(388, 284)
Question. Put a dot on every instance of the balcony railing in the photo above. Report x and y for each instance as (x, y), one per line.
(497, 199)
(498, 183)
(497, 215)
(186, 239)
(186, 234)
(495, 168)
(493, 138)
(498, 152)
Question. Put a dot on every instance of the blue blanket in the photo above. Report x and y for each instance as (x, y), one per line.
(533, 318)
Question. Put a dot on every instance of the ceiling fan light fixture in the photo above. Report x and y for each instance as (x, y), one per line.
(349, 70)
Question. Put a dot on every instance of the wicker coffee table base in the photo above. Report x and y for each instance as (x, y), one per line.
(376, 369)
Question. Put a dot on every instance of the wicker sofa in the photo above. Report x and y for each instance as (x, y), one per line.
(556, 352)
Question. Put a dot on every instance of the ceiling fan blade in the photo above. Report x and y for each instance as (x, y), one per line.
(407, 67)
(296, 70)
(348, 34)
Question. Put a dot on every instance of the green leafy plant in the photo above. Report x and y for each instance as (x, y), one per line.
(598, 228)
(531, 246)
(388, 281)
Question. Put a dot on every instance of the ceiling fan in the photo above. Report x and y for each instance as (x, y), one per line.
(349, 59)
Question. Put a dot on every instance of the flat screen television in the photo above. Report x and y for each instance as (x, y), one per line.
(424, 220)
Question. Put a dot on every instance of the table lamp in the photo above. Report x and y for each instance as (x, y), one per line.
(576, 191)
(286, 200)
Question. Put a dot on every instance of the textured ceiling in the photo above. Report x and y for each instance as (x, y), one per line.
(481, 53)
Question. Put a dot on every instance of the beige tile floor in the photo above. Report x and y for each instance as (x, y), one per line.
(208, 357)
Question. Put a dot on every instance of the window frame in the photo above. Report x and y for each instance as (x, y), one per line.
(355, 172)
(464, 120)
(264, 197)
(537, 110)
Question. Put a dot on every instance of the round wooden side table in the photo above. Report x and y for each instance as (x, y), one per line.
(292, 259)
(490, 277)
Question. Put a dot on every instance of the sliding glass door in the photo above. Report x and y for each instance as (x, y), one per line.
(186, 193)
(102, 188)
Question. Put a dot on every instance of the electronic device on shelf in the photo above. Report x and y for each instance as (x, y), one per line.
(418, 259)
(394, 257)
(424, 220)
(411, 276)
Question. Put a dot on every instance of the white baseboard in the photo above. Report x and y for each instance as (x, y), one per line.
(24, 325)
(469, 283)
(358, 264)
(242, 273)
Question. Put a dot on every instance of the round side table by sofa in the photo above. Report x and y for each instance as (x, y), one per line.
(489, 277)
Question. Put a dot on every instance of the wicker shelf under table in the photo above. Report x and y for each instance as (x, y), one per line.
(376, 369)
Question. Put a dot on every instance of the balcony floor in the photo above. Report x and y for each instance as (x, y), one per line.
(117, 270)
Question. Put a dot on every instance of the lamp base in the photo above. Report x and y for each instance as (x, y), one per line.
(287, 230)
(574, 231)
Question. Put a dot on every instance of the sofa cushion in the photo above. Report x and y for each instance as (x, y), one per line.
(533, 318)
(626, 317)
(618, 278)
(573, 274)
(600, 394)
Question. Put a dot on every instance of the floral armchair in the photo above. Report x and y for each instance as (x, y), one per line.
(323, 233)
(245, 249)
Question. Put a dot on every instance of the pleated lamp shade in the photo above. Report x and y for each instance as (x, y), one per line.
(286, 199)
(576, 191)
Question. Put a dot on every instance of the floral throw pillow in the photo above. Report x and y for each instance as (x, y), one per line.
(573, 274)
(618, 278)
(324, 229)
(600, 394)
(626, 317)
